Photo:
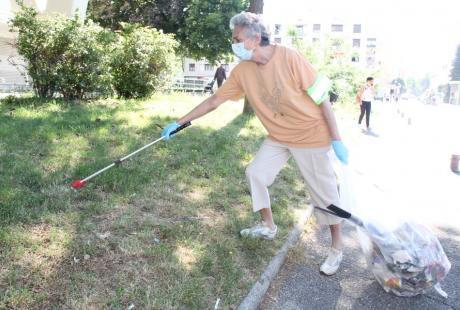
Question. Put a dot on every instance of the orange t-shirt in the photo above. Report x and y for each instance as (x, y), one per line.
(277, 91)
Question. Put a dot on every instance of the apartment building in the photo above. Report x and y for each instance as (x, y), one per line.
(355, 33)
(202, 69)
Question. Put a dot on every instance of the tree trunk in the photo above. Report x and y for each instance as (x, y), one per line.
(255, 6)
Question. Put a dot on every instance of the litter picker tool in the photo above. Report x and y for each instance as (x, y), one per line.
(81, 183)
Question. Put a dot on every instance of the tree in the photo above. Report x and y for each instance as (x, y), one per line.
(168, 15)
(206, 32)
(200, 26)
(331, 57)
(257, 7)
(455, 72)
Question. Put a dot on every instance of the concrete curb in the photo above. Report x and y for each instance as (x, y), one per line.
(257, 292)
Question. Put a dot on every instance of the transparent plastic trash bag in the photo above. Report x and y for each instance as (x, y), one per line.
(406, 261)
(405, 257)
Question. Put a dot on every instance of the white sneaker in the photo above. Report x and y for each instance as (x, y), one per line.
(260, 230)
(332, 262)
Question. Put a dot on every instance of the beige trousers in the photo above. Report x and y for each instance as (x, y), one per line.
(314, 165)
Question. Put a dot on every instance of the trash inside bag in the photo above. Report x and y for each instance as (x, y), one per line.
(405, 257)
(406, 261)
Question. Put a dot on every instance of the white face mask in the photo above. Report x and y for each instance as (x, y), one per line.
(241, 52)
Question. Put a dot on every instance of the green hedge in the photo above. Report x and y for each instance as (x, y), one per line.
(142, 61)
(78, 60)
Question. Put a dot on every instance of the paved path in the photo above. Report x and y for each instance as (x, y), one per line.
(399, 170)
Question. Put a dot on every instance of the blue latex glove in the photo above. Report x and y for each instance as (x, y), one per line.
(340, 151)
(166, 133)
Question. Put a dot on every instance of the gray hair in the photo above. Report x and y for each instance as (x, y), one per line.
(253, 25)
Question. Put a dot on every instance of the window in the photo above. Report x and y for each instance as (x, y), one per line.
(355, 58)
(357, 28)
(316, 27)
(314, 40)
(191, 67)
(356, 42)
(337, 28)
(371, 42)
(208, 67)
(299, 30)
(277, 28)
(278, 40)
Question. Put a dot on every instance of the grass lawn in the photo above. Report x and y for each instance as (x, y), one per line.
(159, 232)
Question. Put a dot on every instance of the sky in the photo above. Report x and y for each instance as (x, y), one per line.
(416, 37)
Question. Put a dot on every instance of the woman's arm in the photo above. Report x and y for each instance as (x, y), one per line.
(326, 108)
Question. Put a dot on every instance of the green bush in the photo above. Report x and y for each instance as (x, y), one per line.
(143, 61)
(84, 67)
(64, 55)
(37, 44)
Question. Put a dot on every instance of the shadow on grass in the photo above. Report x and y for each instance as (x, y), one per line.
(172, 214)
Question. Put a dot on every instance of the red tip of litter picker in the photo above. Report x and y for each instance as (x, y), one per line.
(78, 184)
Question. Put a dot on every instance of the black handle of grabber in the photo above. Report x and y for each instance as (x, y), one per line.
(345, 214)
(183, 126)
(339, 212)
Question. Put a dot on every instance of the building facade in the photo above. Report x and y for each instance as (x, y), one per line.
(356, 35)
(202, 69)
(9, 75)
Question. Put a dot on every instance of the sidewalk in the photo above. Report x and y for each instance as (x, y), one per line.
(398, 162)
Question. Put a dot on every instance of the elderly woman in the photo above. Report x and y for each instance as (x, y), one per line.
(290, 99)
